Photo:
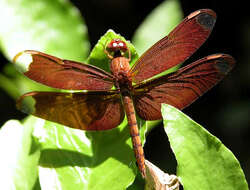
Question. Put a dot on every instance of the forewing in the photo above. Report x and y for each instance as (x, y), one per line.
(86, 111)
(63, 74)
(182, 87)
(175, 48)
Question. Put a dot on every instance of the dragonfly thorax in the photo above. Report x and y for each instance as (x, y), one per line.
(119, 64)
(120, 67)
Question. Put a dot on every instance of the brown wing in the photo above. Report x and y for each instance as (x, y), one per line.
(182, 87)
(86, 111)
(175, 48)
(63, 74)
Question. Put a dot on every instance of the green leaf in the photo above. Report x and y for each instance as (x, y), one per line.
(139, 183)
(75, 159)
(70, 158)
(157, 25)
(203, 161)
(16, 84)
(53, 27)
(9, 86)
(99, 58)
(19, 155)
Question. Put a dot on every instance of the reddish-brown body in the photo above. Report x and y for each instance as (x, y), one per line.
(101, 107)
(134, 133)
(120, 68)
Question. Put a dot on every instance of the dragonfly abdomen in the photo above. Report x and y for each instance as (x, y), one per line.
(134, 132)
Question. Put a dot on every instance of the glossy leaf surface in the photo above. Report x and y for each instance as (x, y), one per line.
(31, 26)
(203, 161)
(20, 155)
(64, 158)
(54, 27)
(74, 159)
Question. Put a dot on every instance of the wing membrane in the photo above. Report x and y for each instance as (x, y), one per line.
(182, 87)
(86, 111)
(63, 74)
(175, 48)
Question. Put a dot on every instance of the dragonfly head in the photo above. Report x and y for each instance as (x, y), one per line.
(117, 46)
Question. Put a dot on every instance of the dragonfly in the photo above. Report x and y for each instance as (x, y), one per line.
(106, 97)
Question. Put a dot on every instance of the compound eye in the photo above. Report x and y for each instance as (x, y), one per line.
(121, 44)
(117, 45)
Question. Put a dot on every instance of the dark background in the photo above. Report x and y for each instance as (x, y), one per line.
(224, 111)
